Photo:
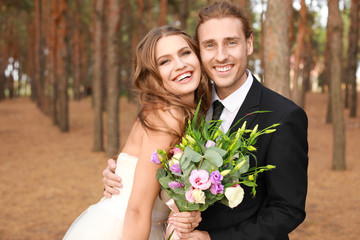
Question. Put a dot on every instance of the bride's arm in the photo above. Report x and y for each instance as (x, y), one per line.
(146, 188)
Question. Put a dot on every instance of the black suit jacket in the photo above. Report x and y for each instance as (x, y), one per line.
(279, 204)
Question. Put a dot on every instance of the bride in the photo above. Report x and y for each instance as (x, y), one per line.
(170, 81)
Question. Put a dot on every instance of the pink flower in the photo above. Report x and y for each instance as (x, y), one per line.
(155, 158)
(188, 195)
(216, 188)
(174, 184)
(200, 179)
(176, 150)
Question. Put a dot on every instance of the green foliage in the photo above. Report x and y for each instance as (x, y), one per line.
(212, 150)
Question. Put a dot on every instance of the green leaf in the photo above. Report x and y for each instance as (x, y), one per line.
(193, 124)
(208, 165)
(161, 172)
(214, 157)
(179, 191)
(164, 182)
(192, 154)
(220, 151)
(246, 165)
(249, 184)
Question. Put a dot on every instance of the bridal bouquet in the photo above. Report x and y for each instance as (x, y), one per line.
(210, 166)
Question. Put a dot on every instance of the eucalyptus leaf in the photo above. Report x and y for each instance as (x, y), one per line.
(214, 157)
(220, 151)
(161, 172)
(164, 182)
(192, 154)
(208, 165)
(179, 191)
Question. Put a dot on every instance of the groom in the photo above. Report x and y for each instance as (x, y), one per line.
(226, 41)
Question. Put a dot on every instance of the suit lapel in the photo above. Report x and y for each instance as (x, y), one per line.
(250, 104)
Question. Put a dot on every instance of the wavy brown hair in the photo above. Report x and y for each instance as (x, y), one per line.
(152, 92)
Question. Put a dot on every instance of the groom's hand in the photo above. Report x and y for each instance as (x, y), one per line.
(195, 235)
(111, 180)
(185, 221)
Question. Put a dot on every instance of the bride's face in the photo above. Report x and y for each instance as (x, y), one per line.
(178, 66)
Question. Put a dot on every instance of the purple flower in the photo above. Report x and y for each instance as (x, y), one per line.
(200, 179)
(216, 188)
(155, 158)
(174, 184)
(216, 177)
(176, 168)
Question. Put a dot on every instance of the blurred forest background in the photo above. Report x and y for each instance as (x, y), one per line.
(58, 54)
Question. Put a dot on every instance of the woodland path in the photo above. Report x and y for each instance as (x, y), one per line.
(47, 178)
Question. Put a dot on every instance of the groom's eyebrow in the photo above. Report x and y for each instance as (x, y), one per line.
(207, 41)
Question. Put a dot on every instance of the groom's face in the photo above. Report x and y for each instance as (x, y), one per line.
(224, 50)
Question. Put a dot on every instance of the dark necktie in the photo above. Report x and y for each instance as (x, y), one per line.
(217, 110)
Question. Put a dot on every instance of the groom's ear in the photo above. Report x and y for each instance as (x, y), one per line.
(250, 44)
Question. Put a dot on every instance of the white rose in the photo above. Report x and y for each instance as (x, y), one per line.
(199, 196)
(235, 195)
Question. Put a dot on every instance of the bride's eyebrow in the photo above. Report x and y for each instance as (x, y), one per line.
(178, 51)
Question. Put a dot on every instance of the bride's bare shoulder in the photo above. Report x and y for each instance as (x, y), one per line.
(134, 139)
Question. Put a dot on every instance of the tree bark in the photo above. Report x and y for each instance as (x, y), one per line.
(76, 53)
(114, 18)
(97, 83)
(336, 26)
(299, 49)
(163, 12)
(52, 66)
(327, 71)
(38, 51)
(277, 54)
(184, 14)
(62, 67)
(352, 54)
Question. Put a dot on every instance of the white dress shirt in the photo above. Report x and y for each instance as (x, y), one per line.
(232, 103)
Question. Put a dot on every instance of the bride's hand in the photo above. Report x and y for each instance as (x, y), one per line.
(185, 222)
(111, 180)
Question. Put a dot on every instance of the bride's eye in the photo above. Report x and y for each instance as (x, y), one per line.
(186, 53)
(163, 62)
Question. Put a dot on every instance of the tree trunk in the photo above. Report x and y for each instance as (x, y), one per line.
(300, 45)
(38, 51)
(276, 52)
(262, 42)
(352, 54)
(97, 83)
(327, 71)
(336, 26)
(52, 66)
(76, 53)
(62, 67)
(163, 12)
(2, 58)
(184, 14)
(113, 81)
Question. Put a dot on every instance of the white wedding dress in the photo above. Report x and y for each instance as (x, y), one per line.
(104, 220)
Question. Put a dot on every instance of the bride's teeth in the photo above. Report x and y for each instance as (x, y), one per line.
(223, 69)
(181, 77)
